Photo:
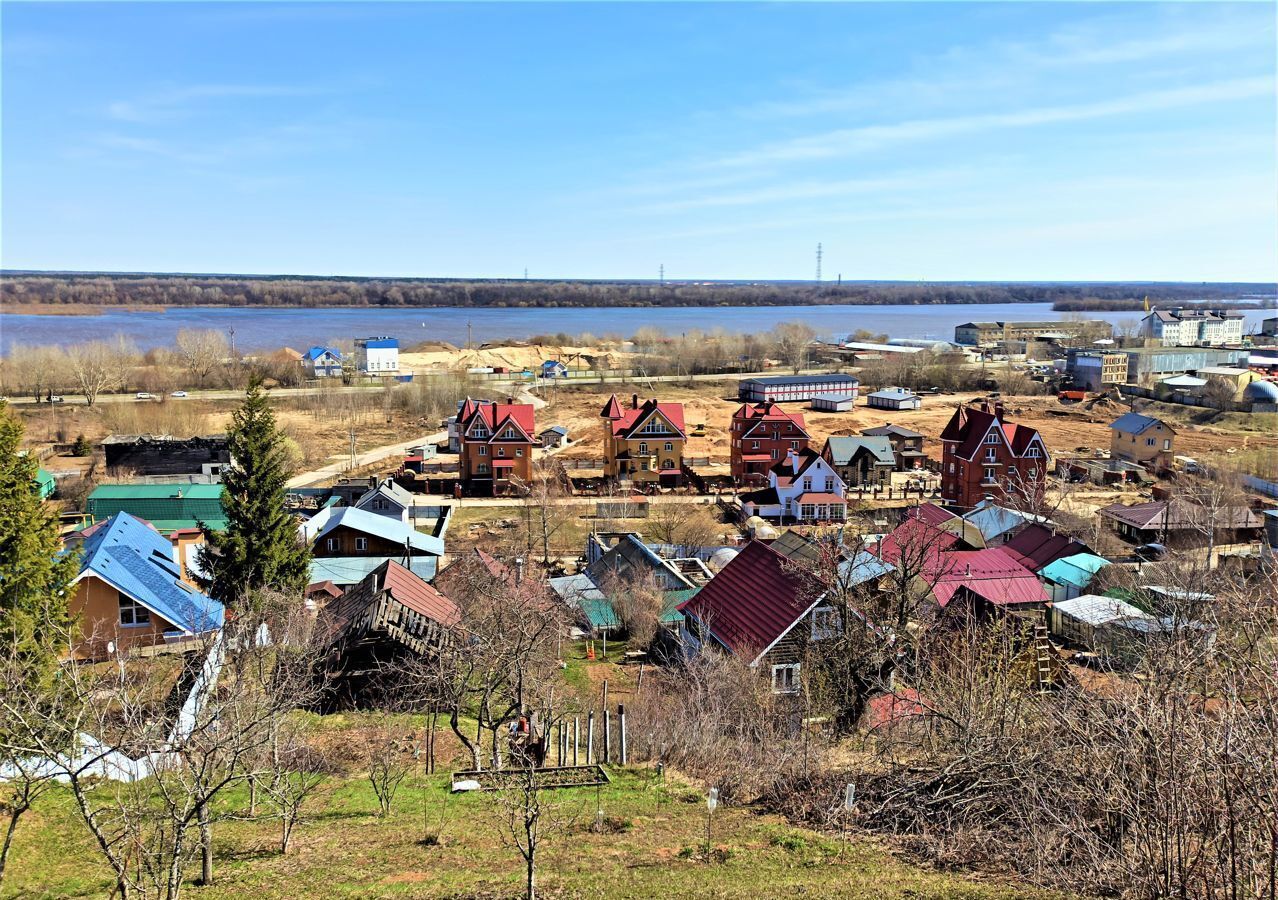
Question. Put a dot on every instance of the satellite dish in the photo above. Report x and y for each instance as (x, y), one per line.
(110, 648)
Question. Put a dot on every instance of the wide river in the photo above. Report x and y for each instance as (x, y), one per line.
(258, 329)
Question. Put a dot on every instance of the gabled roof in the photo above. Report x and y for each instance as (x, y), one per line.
(1135, 423)
(392, 530)
(968, 427)
(894, 394)
(630, 555)
(496, 416)
(136, 560)
(993, 521)
(358, 607)
(891, 431)
(1037, 545)
(843, 449)
(631, 420)
(753, 601)
(555, 429)
(1077, 570)
(786, 472)
(917, 539)
(931, 514)
(1181, 515)
(766, 413)
(316, 352)
(388, 489)
(991, 574)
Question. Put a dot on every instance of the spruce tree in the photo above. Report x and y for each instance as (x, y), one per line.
(260, 547)
(35, 577)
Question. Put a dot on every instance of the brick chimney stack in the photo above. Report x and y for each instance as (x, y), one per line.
(634, 401)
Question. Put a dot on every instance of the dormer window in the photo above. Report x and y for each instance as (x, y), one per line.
(991, 438)
(480, 432)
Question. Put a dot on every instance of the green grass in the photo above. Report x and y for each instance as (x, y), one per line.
(343, 850)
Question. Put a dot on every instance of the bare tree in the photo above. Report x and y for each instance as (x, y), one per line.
(528, 817)
(793, 340)
(36, 371)
(202, 351)
(389, 762)
(98, 366)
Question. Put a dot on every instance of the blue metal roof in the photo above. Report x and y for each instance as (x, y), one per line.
(382, 343)
(1133, 423)
(393, 530)
(347, 570)
(1077, 570)
(136, 560)
(317, 352)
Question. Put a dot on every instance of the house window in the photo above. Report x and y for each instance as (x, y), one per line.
(1167, 444)
(794, 445)
(785, 679)
(829, 483)
(951, 468)
(133, 613)
(807, 511)
(669, 446)
(333, 545)
(653, 427)
(483, 468)
(643, 447)
(774, 454)
(480, 432)
(667, 464)
(991, 454)
(990, 474)
(361, 544)
(991, 438)
(1033, 453)
(483, 451)
(807, 483)
(1150, 442)
(501, 451)
(825, 623)
(1033, 473)
(510, 433)
(754, 445)
(519, 451)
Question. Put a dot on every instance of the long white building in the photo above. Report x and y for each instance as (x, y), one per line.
(1193, 327)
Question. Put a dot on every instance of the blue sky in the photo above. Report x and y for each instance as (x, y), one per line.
(914, 140)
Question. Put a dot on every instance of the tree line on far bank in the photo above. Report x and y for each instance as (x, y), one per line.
(293, 291)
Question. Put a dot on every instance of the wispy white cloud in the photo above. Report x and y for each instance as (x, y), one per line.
(178, 102)
(847, 141)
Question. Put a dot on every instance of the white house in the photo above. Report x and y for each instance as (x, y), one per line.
(377, 356)
(322, 362)
(803, 487)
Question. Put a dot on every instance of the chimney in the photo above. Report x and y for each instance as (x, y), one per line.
(519, 570)
(998, 409)
(968, 573)
(510, 400)
(634, 401)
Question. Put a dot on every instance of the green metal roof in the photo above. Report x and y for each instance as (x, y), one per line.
(45, 483)
(169, 507)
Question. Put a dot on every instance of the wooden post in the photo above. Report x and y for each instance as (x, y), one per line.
(590, 738)
(576, 737)
(607, 737)
(621, 717)
(639, 686)
(605, 694)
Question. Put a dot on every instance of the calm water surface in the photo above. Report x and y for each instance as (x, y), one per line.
(259, 329)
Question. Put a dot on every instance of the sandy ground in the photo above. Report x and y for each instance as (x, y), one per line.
(1064, 428)
(515, 356)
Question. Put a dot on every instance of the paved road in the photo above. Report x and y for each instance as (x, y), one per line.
(76, 400)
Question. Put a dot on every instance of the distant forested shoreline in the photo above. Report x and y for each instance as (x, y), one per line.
(43, 289)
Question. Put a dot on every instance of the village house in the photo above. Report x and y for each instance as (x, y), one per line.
(347, 543)
(985, 455)
(130, 594)
(862, 462)
(323, 362)
(496, 447)
(802, 488)
(553, 437)
(907, 445)
(761, 609)
(390, 616)
(553, 368)
(1067, 577)
(1177, 522)
(645, 442)
(386, 498)
(1038, 545)
(1143, 440)
(761, 435)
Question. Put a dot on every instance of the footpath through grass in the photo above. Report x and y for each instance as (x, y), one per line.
(651, 846)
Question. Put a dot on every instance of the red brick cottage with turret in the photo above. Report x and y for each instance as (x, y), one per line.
(983, 454)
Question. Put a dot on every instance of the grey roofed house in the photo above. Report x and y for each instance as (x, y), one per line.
(843, 449)
(890, 431)
(1135, 423)
(392, 530)
(386, 499)
(630, 556)
(345, 571)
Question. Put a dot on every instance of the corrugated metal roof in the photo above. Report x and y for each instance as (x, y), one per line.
(1097, 610)
(1077, 570)
(348, 570)
(136, 560)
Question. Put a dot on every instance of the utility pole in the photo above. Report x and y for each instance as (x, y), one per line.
(661, 274)
(818, 271)
(469, 342)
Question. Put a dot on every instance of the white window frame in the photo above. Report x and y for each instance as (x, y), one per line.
(139, 616)
(361, 544)
(669, 446)
(825, 623)
(789, 682)
(334, 544)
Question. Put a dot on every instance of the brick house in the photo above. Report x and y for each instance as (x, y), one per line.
(762, 435)
(645, 442)
(497, 441)
(983, 454)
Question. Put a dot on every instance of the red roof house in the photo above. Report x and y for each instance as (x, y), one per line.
(984, 455)
(762, 434)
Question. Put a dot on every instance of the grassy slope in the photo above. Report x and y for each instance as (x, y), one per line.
(344, 850)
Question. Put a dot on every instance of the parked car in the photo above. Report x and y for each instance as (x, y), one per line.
(142, 395)
(1152, 552)
(56, 398)
(178, 394)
